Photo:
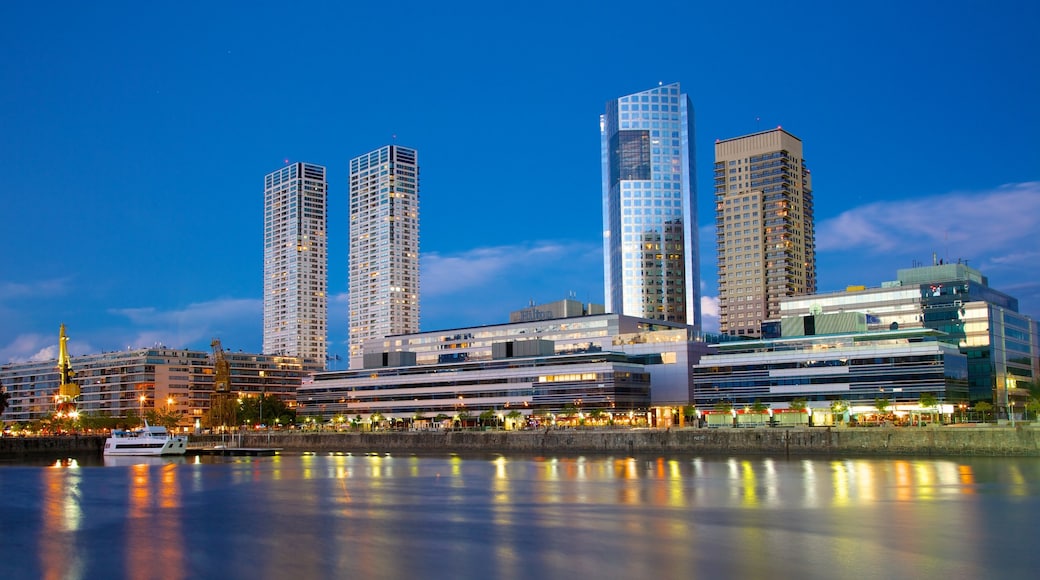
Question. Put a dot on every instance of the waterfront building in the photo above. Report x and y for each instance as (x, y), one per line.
(844, 363)
(559, 309)
(115, 384)
(1001, 344)
(296, 262)
(528, 365)
(764, 229)
(651, 260)
(384, 246)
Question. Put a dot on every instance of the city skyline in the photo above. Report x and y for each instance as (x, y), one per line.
(132, 211)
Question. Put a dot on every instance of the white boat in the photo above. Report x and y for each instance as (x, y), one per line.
(149, 440)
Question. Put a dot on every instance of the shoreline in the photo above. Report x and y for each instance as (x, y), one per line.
(986, 441)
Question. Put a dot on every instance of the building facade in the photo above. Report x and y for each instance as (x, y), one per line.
(603, 363)
(650, 247)
(1001, 345)
(384, 246)
(115, 384)
(296, 262)
(854, 369)
(764, 229)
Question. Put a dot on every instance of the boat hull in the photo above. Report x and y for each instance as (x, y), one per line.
(145, 446)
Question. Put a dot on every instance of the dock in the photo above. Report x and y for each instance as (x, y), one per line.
(236, 451)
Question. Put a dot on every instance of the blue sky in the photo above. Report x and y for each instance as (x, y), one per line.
(134, 138)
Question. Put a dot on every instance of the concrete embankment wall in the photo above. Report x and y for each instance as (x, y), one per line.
(19, 446)
(938, 441)
(880, 441)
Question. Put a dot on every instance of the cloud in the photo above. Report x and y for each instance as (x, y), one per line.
(42, 288)
(483, 285)
(996, 221)
(710, 313)
(194, 324)
(448, 274)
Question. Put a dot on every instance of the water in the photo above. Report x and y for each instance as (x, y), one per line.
(379, 516)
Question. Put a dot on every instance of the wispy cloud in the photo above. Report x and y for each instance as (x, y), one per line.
(194, 324)
(42, 288)
(452, 273)
(997, 221)
(483, 285)
(710, 313)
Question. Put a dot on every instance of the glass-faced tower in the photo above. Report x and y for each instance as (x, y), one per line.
(296, 258)
(650, 253)
(384, 246)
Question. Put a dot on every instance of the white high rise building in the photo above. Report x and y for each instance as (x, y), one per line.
(296, 258)
(384, 246)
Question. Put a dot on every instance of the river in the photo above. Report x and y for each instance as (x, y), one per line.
(519, 517)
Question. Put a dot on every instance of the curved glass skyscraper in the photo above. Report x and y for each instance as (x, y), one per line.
(650, 253)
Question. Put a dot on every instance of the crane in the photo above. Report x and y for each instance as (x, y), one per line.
(222, 406)
(68, 391)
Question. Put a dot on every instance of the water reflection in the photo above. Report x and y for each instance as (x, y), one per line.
(391, 516)
(59, 554)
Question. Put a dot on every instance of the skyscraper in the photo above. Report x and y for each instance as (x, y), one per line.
(384, 246)
(651, 260)
(296, 258)
(763, 228)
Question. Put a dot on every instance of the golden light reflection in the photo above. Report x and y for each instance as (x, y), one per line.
(749, 484)
(840, 477)
(59, 556)
(966, 477)
(153, 525)
(1018, 482)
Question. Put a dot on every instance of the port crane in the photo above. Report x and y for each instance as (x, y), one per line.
(68, 391)
(222, 405)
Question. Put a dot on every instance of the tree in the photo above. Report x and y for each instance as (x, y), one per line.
(377, 420)
(487, 417)
(928, 402)
(167, 418)
(689, 412)
(881, 404)
(724, 406)
(758, 407)
(1033, 406)
(264, 409)
(799, 404)
(515, 416)
(463, 418)
(984, 407)
(5, 398)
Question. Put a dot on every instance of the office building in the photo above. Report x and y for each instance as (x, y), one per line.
(296, 262)
(824, 359)
(650, 253)
(609, 364)
(384, 246)
(764, 228)
(1001, 344)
